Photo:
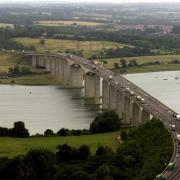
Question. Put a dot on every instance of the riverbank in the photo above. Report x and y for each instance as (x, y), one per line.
(40, 79)
(15, 146)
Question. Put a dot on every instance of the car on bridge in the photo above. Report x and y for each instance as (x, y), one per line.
(160, 177)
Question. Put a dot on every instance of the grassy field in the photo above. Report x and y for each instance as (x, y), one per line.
(8, 60)
(55, 45)
(143, 59)
(66, 23)
(14, 146)
(154, 68)
(38, 80)
(6, 25)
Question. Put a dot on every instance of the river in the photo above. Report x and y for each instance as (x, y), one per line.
(43, 107)
(165, 86)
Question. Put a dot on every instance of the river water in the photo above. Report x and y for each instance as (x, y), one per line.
(165, 86)
(43, 107)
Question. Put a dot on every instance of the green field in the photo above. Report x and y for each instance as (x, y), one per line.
(55, 45)
(150, 68)
(154, 68)
(4, 25)
(38, 80)
(143, 59)
(15, 146)
(8, 60)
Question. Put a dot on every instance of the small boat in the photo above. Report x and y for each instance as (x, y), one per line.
(165, 79)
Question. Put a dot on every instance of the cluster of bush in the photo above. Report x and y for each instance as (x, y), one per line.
(17, 70)
(134, 159)
(107, 121)
(18, 130)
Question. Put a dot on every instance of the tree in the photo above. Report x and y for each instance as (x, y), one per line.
(62, 132)
(42, 41)
(101, 150)
(105, 122)
(84, 152)
(41, 163)
(48, 132)
(123, 63)
(64, 153)
(116, 65)
(19, 130)
(123, 135)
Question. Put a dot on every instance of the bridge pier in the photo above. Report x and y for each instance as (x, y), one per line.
(57, 68)
(127, 110)
(145, 117)
(53, 67)
(136, 114)
(66, 73)
(120, 104)
(92, 87)
(105, 94)
(48, 64)
(34, 61)
(76, 76)
(112, 97)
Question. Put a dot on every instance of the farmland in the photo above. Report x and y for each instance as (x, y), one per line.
(66, 23)
(15, 146)
(56, 45)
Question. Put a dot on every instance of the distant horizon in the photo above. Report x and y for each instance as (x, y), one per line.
(87, 1)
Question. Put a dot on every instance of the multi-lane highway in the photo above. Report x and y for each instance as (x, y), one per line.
(150, 104)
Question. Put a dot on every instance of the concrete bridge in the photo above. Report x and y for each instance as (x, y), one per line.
(130, 102)
(100, 85)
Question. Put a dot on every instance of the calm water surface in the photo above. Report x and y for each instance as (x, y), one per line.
(43, 107)
(165, 86)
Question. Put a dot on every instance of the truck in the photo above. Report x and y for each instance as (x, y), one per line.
(178, 142)
(177, 116)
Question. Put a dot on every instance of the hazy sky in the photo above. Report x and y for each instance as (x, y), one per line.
(112, 1)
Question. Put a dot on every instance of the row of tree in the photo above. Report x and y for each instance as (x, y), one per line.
(107, 121)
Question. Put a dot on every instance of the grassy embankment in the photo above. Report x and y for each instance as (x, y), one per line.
(150, 68)
(38, 77)
(14, 146)
(55, 45)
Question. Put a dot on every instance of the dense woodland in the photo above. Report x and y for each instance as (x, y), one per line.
(136, 158)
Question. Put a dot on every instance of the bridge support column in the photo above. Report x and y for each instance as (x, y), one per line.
(66, 73)
(127, 110)
(105, 94)
(120, 104)
(136, 114)
(76, 76)
(145, 116)
(112, 97)
(57, 68)
(48, 64)
(53, 66)
(34, 61)
(92, 87)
